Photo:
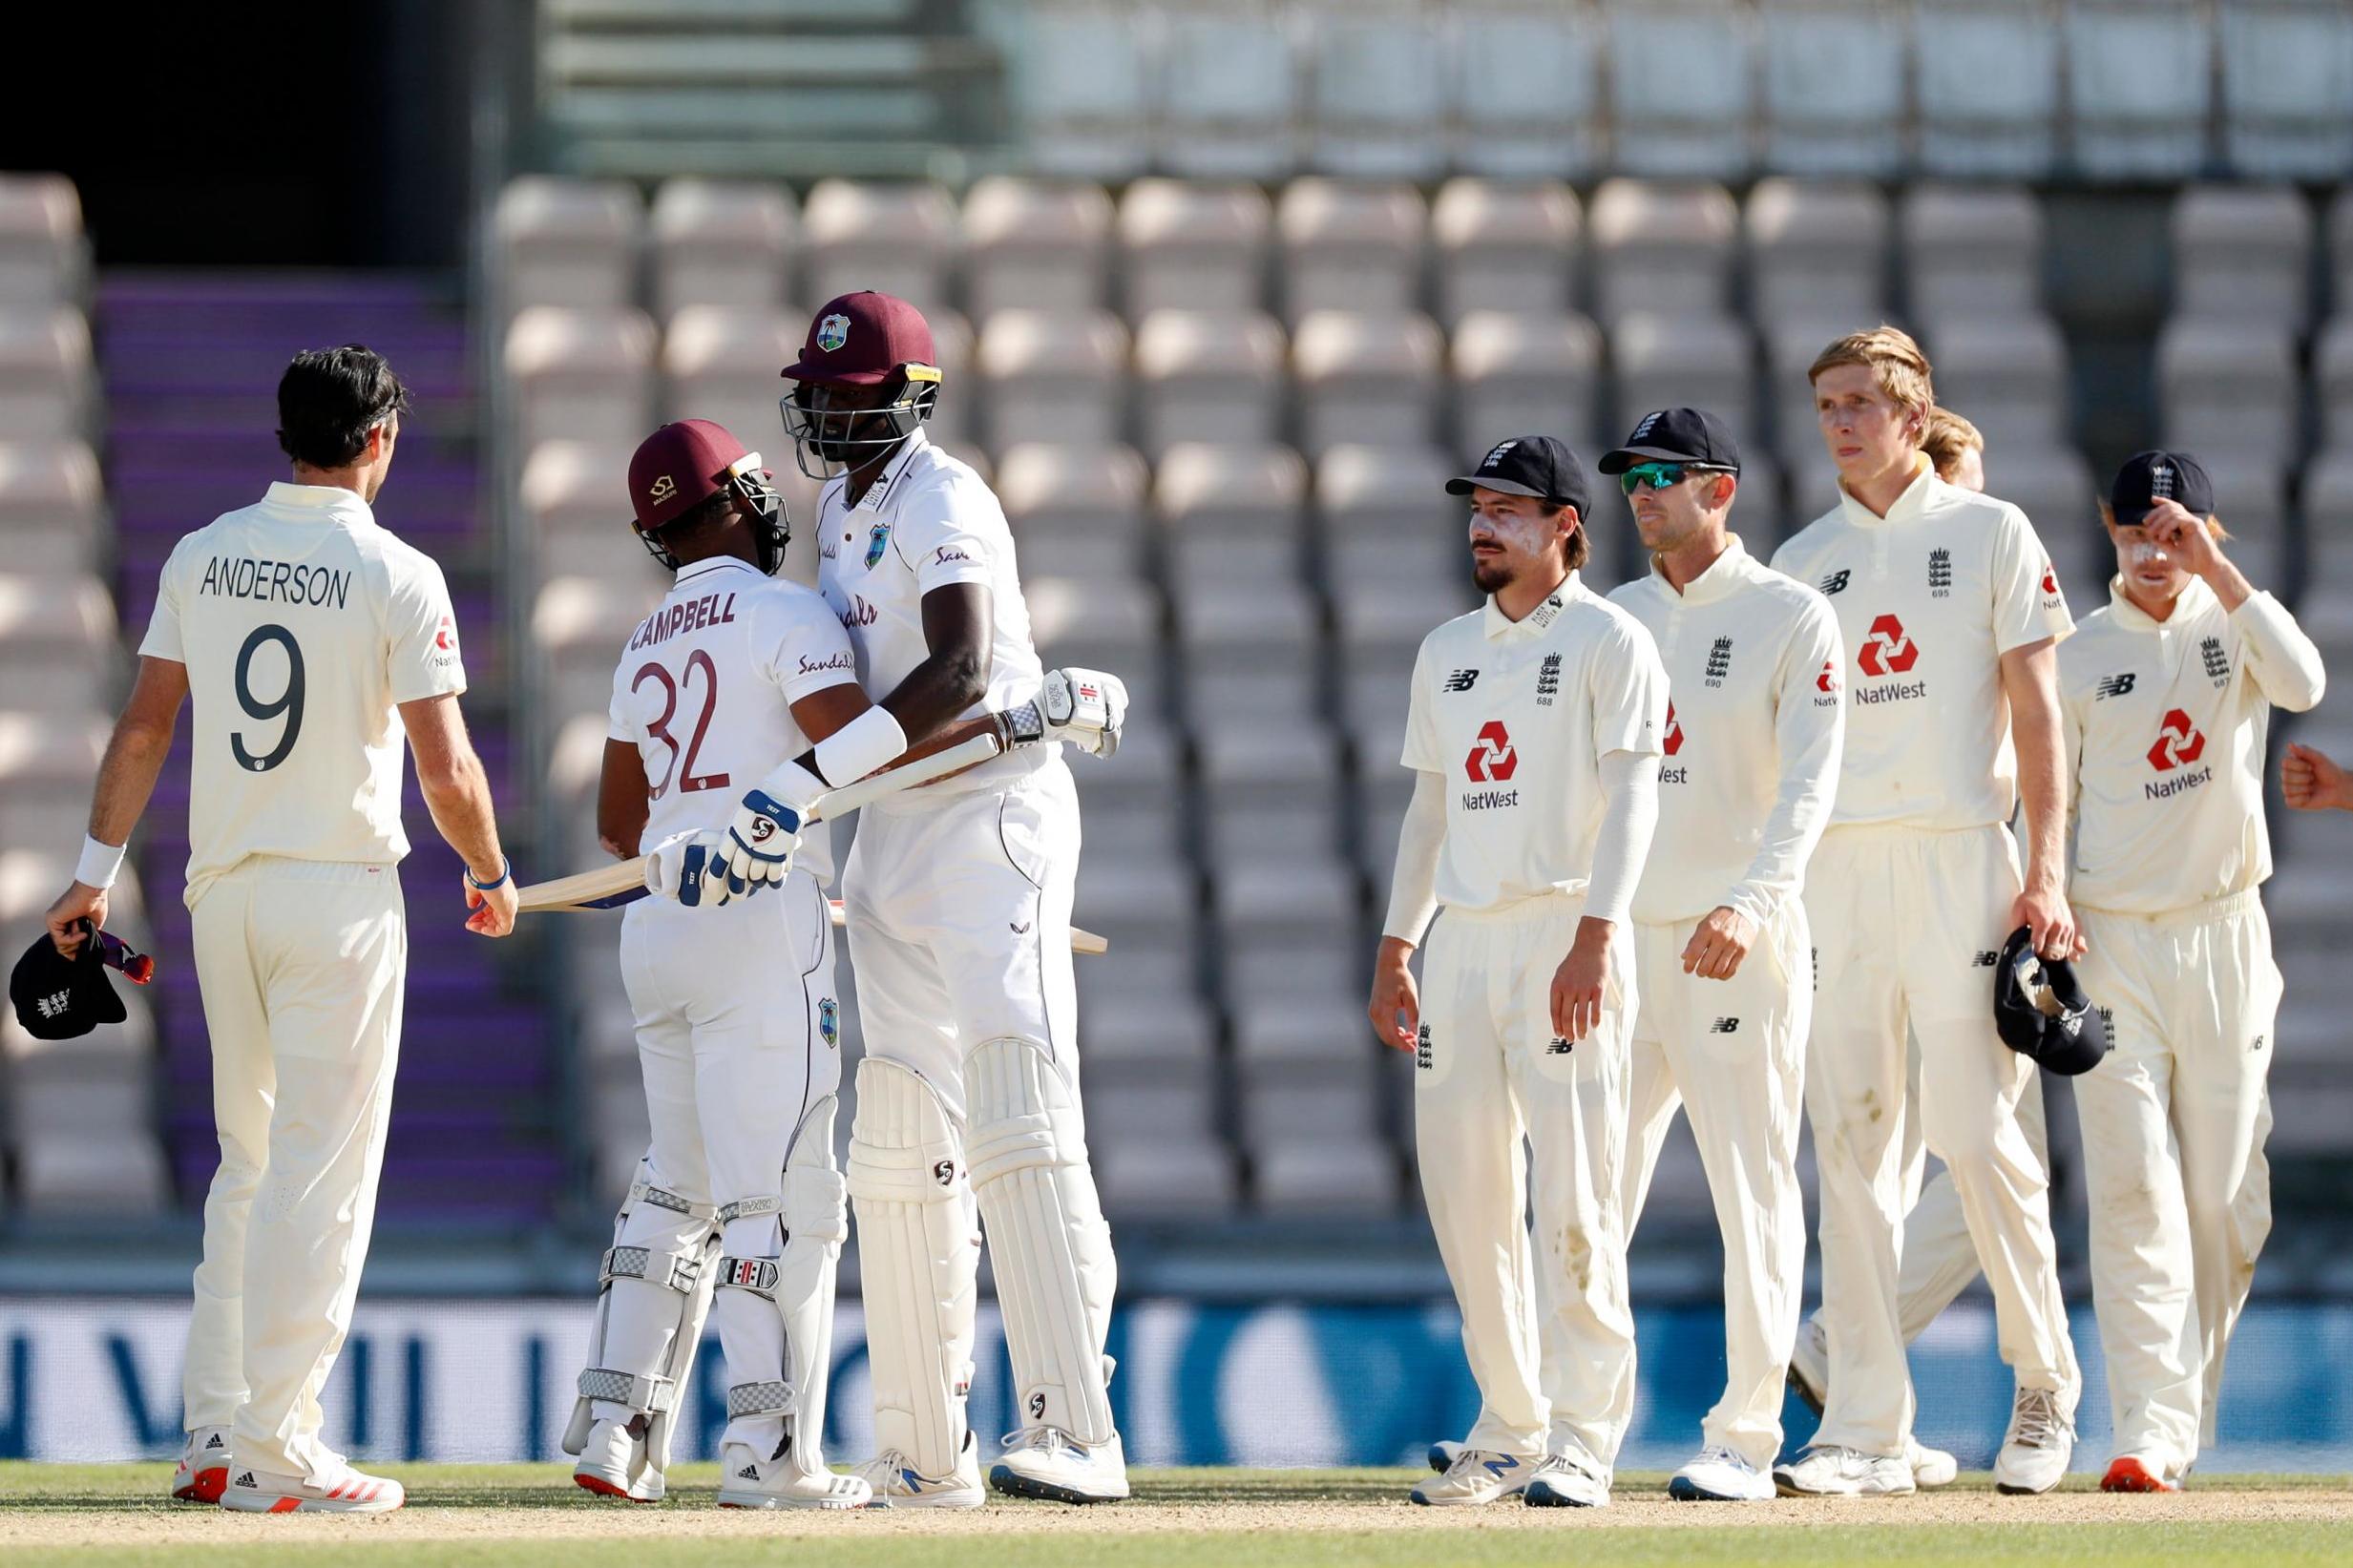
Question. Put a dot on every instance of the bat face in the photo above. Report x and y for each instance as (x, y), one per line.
(608, 887)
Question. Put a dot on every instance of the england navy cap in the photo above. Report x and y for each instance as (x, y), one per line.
(1676, 435)
(1541, 466)
(61, 998)
(2153, 476)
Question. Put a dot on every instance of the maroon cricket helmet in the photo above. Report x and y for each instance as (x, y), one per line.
(863, 339)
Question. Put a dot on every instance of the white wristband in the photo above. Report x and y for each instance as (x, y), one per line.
(99, 865)
(860, 746)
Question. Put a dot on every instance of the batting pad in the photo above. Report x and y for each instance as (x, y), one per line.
(657, 1281)
(919, 1259)
(1055, 1272)
(816, 1223)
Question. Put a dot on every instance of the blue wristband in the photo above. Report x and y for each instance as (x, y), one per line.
(506, 874)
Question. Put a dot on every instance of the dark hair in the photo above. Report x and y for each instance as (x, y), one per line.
(329, 399)
(1575, 550)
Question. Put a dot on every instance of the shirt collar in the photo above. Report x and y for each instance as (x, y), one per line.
(1536, 621)
(2195, 601)
(879, 492)
(1726, 573)
(294, 498)
(710, 564)
(1909, 506)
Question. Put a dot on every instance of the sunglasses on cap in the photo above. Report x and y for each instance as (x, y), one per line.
(1663, 476)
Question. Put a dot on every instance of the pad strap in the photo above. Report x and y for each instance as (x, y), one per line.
(744, 1208)
(643, 1191)
(756, 1275)
(631, 1390)
(760, 1399)
(678, 1271)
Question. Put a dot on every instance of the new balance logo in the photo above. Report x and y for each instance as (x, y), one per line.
(1725, 1026)
(1835, 583)
(2112, 686)
(1502, 1462)
(1461, 680)
(1985, 959)
(1559, 1046)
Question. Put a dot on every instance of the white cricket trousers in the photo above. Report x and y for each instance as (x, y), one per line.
(1489, 1072)
(1906, 927)
(301, 965)
(1731, 1053)
(2174, 1124)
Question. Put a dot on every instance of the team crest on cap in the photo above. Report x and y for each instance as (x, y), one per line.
(664, 489)
(1648, 420)
(833, 332)
(829, 1021)
(1496, 456)
(2160, 481)
(878, 540)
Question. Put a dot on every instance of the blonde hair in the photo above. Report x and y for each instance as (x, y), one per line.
(2214, 524)
(1896, 363)
(1947, 437)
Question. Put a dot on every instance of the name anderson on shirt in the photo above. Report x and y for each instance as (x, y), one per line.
(275, 582)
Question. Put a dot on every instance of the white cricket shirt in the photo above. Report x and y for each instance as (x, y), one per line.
(1754, 720)
(1928, 599)
(705, 690)
(303, 626)
(2165, 725)
(1516, 715)
(928, 520)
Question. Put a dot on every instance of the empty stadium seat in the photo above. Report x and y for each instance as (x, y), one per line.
(1525, 374)
(580, 375)
(1153, 1135)
(1190, 247)
(722, 243)
(1209, 375)
(1970, 249)
(2287, 88)
(1052, 375)
(722, 363)
(1366, 377)
(1375, 88)
(1084, 88)
(1834, 76)
(2229, 389)
(1661, 247)
(567, 243)
(53, 508)
(2251, 497)
(1791, 347)
(1528, 89)
(2140, 87)
(1701, 360)
(1101, 625)
(1349, 245)
(46, 384)
(2243, 251)
(2332, 374)
(1385, 521)
(576, 514)
(2329, 515)
(2008, 373)
(1076, 511)
(1032, 244)
(1134, 803)
(1230, 516)
(1816, 250)
(1249, 652)
(1701, 127)
(1228, 92)
(894, 239)
(1271, 795)
(578, 626)
(2057, 490)
(44, 259)
(57, 641)
(954, 421)
(1509, 246)
(1987, 87)
(48, 763)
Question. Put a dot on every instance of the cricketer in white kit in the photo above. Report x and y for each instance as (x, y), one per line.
(2168, 690)
(958, 897)
(738, 1208)
(1949, 610)
(310, 640)
(1755, 721)
(1534, 733)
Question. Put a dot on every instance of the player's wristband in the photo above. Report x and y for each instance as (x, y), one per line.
(101, 864)
(860, 746)
(506, 874)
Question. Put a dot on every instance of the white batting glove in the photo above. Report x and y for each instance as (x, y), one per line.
(758, 846)
(1085, 707)
(680, 869)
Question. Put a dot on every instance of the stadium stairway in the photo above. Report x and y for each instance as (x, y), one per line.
(191, 365)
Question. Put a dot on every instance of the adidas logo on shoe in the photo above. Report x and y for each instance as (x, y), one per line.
(750, 1472)
(246, 1480)
(214, 1441)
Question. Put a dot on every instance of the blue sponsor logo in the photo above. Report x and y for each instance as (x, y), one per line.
(878, 540)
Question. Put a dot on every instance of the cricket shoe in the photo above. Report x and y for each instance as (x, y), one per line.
(779, 1481)
(1567, 1480)
(338, 1489)
(1931, 1467)
(1844, 1473)
(1717, 1474)
(1443, 1453)
(1047, 1462)
(2132, 1472)
(612, 1464)
(1809, 1366)
(2041, 1441)
(896, 1483)
(203, 1471)
(1476, 1478)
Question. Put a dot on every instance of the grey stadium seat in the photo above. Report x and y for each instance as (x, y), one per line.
(1387, 526)
(1817, 250)
(1367, 377)
(1970, 249)
(1505, 245)
(2008, 373)
(46, 764)
(1349, 245)
(1791, 347)
(1249, 652)
(580, 375)
(2287, 94)
(1834, 78)
(2057, 490)
(53, 507)
(44, 258)
(1228, 91)
(1103, 624)
(1209, 375)
(895, 239)
(1230, 516)
(1193, 246)
(1076, 511)
(2329, 515)
(1052, 375)
(1375, 88)
(1522, 374)
(567, 243)
(722, 243)
(574, 509)
(1033, 244)
(2341, 253)
(1701, 129)
(720, 364)
(1989, 87)
(2244, 252)
(1270, 794)
(2229, 388)
(58, 643)
(1083, 89)
(578, 626)
(2140, 87)
(2251, 497)
(47, 381)
(1705, 361)
(1528, 89)
(1661, 247)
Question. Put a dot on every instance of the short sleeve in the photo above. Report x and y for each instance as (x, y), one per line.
(1420, 723)
(162, 639)
(1628, 686)
(803, 646)
(421, 633)
(952, 533)
(618, 723)
(2027, 604)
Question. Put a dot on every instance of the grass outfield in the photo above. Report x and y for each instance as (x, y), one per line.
(528, 1515)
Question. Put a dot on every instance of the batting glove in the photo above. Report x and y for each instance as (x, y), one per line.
(679, 867)
(1085, 707)
(758, 846)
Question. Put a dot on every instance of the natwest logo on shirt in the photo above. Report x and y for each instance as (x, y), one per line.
(1828, 680)
(1674, 731)
(2178, 742)
(1492, 760)
(1886, 649)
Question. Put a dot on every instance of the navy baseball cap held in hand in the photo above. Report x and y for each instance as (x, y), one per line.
(61, 998)
(1541, 466)
(2040, 1009)
(1690, 436)
(2153, 476)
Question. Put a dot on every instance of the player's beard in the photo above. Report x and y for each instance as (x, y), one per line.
(1494, 575)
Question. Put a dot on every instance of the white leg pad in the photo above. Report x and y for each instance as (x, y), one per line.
(1055, 1272)
(816, 1223)
(920, 1261)
(656, 1293)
